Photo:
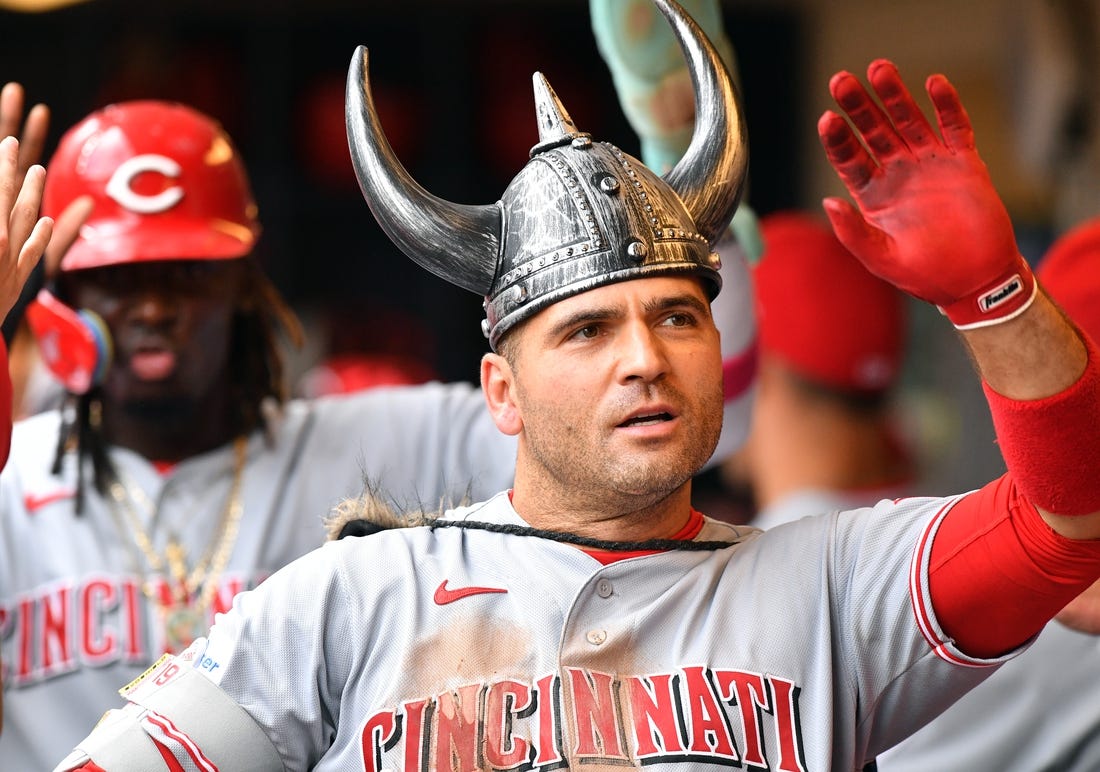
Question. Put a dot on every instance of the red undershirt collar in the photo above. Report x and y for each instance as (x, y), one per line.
(689, 531)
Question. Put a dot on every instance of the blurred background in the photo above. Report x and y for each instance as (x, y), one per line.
(453, 82)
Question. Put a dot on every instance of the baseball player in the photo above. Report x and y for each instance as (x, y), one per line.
(588, 617)
(176, 475)
(823, 432)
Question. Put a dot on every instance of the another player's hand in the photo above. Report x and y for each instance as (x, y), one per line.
(66, 228)
(31, 130)
(23, 234)
(928, 219)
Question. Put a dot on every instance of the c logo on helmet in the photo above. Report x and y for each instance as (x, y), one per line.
(119, 187)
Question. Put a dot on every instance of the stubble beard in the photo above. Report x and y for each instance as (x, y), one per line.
(592, 472)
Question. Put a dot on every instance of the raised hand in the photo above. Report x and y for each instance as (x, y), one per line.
(23, 234)
(31, 130)
(926, 217)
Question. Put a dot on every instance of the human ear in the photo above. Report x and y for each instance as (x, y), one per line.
(498, 385)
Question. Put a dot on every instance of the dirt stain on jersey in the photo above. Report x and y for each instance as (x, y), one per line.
(473, 649)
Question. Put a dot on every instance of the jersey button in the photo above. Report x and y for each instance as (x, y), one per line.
(596, 637)
(604, 588)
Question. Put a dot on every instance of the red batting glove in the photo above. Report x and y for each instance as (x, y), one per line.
(929, 220)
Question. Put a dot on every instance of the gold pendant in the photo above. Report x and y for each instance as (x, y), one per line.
(182, 625)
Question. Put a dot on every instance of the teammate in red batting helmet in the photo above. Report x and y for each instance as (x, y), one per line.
(166, 183)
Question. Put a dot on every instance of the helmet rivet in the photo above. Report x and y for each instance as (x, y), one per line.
(637, 251)
(609, 184)
(582, 142)
(519, 293)
(485, 327)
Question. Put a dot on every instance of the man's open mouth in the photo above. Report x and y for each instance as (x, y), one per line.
(648, 419)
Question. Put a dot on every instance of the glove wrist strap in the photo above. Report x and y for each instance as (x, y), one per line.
(1005, 298)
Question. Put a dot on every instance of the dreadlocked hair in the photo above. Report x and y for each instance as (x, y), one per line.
(257, 374)
(81, 419)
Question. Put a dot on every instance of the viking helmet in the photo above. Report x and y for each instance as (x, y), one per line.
(580, 214)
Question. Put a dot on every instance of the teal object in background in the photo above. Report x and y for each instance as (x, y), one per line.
(654, 87)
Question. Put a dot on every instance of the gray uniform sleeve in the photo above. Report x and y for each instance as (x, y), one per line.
(261, 693)
(924, 668)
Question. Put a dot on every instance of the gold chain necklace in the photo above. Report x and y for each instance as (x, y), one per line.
(183, 618)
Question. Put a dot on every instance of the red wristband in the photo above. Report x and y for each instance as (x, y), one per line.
(1006, 297)
(1050, 444)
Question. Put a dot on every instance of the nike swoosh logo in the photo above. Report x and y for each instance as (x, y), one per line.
(34, 503)
(444, 594)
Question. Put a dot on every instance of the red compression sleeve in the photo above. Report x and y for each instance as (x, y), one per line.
(1049, 445)
(998, 572)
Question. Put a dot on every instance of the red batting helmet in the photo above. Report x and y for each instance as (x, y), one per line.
(822, 312)
(167, 182)
(1070, 273)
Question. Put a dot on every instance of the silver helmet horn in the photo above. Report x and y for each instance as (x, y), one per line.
(580, 214)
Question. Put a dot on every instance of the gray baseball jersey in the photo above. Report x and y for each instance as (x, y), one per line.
(74, 624)
(462, 648)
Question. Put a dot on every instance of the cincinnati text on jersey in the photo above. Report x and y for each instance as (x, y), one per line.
(583, 717)
(98, 621)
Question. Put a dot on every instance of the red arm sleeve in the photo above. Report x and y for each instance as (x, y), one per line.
(993, 546)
